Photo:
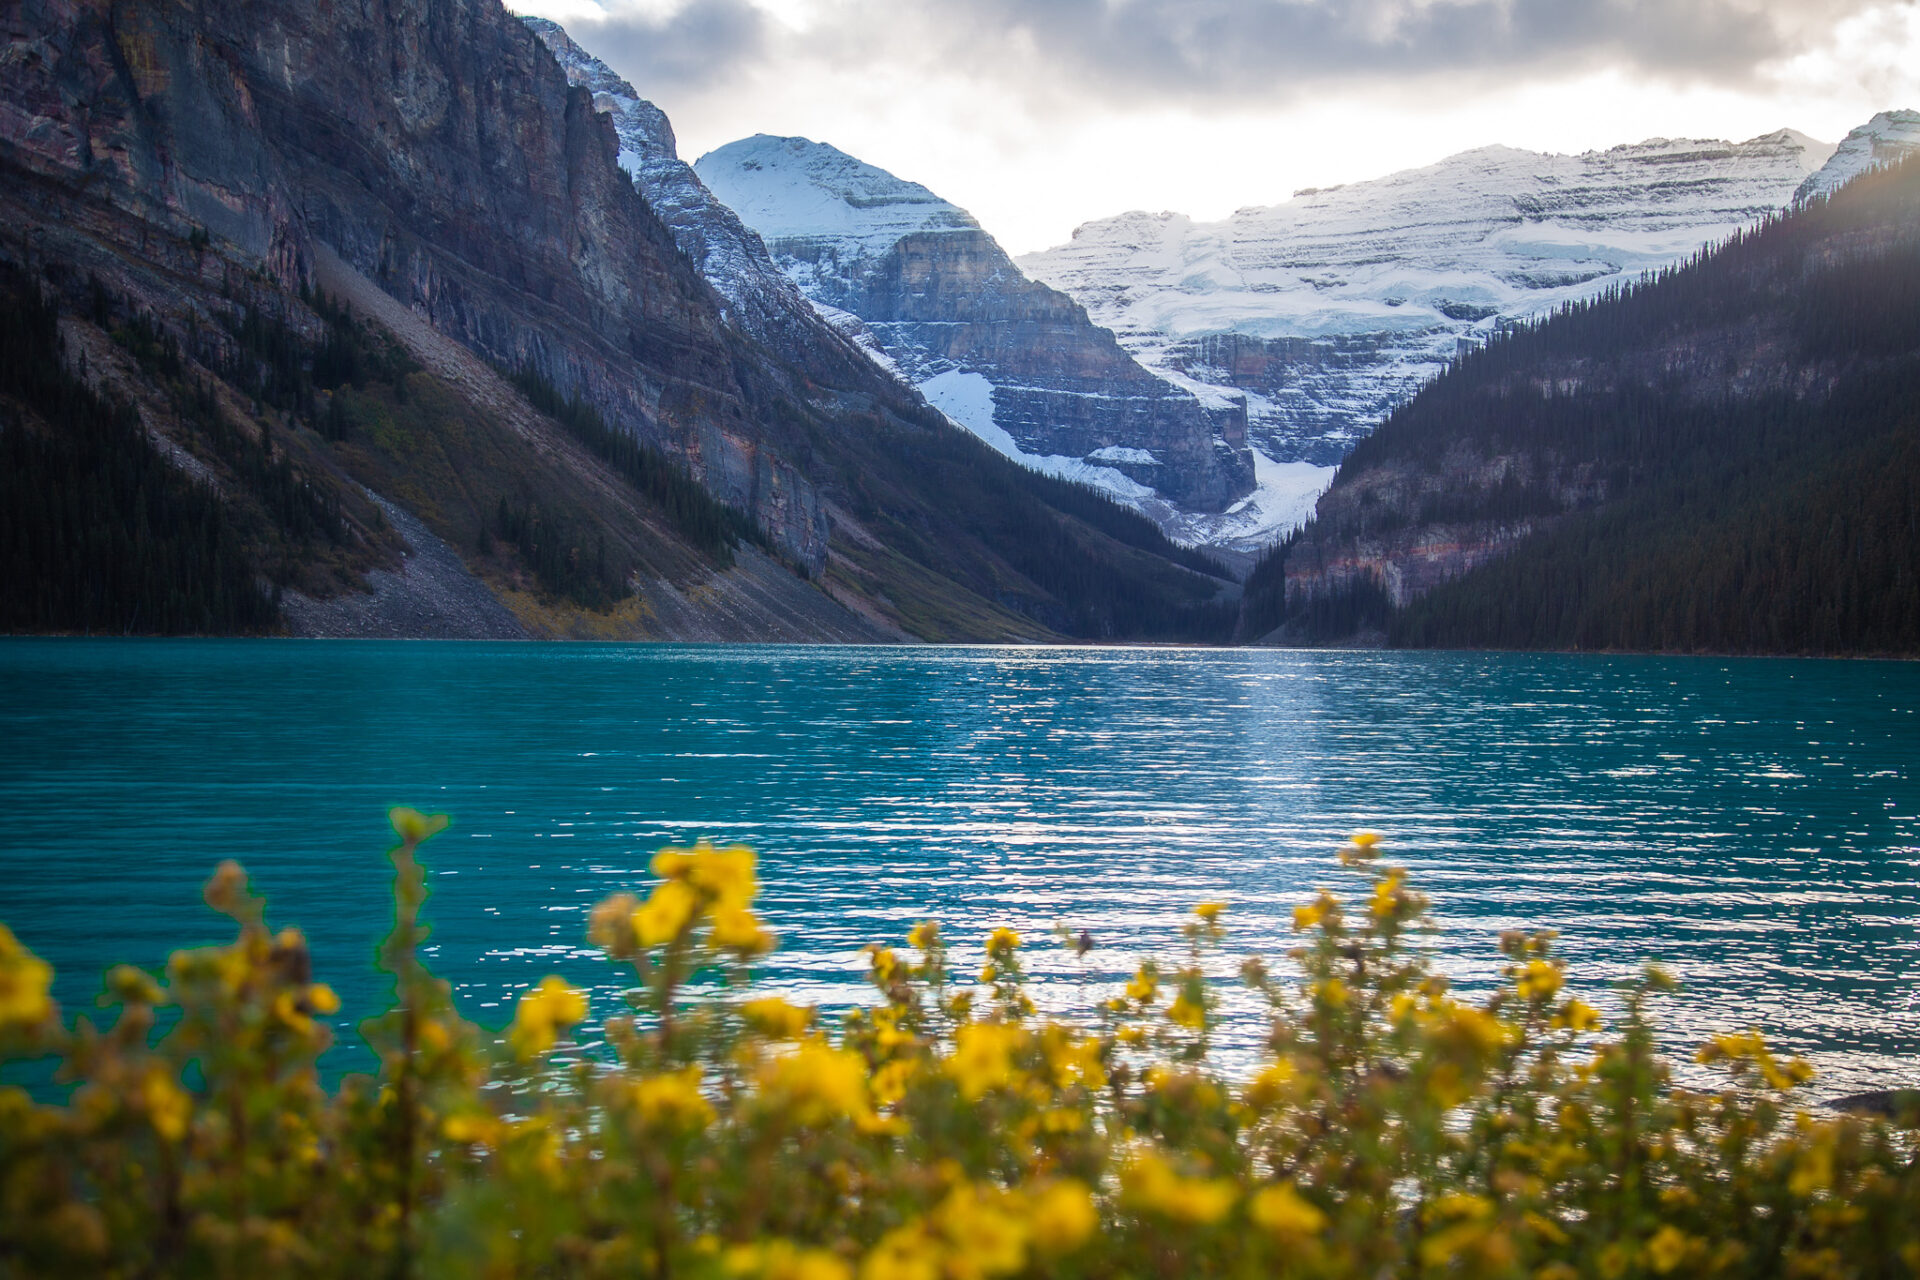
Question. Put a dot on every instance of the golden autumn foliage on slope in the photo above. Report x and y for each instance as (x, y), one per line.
(945, 1131)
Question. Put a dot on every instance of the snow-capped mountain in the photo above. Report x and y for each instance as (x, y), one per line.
(1014, 361)
(1888, 136)
(1329, 309)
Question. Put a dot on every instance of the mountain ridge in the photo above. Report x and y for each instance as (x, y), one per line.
(1327, 310)
(944, 302)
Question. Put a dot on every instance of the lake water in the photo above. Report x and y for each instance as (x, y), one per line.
(1753, 824)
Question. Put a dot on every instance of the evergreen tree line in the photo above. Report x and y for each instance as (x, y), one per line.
(300, 512)
(551, 547)
(1128, 527)
(1809, 550)
(99, 532)
(1784, 521)
(716, 528)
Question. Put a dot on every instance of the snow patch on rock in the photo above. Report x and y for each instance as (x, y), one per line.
(1881, 140)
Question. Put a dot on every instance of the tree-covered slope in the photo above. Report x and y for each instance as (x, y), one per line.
(1720, 458)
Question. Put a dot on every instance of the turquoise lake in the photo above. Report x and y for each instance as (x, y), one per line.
(1755, 824)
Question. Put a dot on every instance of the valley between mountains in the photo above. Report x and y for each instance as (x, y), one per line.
(330, 324)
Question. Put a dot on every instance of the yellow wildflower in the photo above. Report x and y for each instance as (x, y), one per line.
(1151, 1184)
(1074, 1060)
(1270, 1087)
(167, 1105)
(1667, 1248)
(1145, 985)
(25, 981)
(1812, 1170)
(724, 876)
(1332, 993)
(668, 910)
(1061, 1215)
(470, 1128)
(980, 1226)
(775, 1019)
(1540, 980)
(883, 963)
(1002, 942)
(983, 1057)
(816, 1084)
(673, 1101)
(1364, 839)
(1281, 1210)
(322, 1000)
(924, 935)
(1577, 1015)
(1210, 911)
(738, 929)
(890, 1082)
(541, 1012)
(784, 1260)
(1311, 914)
(1188, 1012)
(906, 1253)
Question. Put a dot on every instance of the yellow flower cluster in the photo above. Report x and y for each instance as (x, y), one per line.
(942, 1132)
(25, 981)
(543, 1013)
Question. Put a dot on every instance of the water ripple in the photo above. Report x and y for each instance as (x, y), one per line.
(1754, 824)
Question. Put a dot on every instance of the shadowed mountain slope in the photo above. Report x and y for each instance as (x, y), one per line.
(1725, 458)
(230, 203)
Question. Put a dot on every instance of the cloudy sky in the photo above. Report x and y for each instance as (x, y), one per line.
(1038, 115)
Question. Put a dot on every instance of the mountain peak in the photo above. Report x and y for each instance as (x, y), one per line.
(786, 187)
(1886, 137)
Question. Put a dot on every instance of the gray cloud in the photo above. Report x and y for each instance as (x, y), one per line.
(1198, 50)
(700, 44)
(1267, 49)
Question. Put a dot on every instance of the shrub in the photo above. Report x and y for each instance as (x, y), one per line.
(945, 1131)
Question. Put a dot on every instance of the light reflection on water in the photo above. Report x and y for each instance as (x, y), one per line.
(1754, 824)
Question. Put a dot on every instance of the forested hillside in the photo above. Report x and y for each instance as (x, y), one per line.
(1722, 458)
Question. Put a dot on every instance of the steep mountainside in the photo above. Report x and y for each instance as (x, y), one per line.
(342, 261)
(1329, 309)
(757, 297)
(1725, 458)
(1014, 361)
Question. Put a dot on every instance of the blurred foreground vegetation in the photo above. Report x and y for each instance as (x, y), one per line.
(946, 1131)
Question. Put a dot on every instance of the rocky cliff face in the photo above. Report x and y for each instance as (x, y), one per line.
(1015, 361)
(189, 170)
(756, 296)
(1328, 310)
(441, 152)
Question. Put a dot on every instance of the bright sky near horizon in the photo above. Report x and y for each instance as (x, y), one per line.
(1038, 115)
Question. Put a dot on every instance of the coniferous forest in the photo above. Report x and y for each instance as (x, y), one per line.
(1724, 457)
(98, 531)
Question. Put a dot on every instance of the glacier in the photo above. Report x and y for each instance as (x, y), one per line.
(1331, 308)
